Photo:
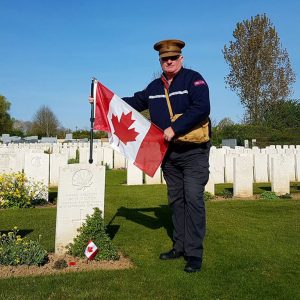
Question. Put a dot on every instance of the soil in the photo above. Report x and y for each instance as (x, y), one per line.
(74, 264)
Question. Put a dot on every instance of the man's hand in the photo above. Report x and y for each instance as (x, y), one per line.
(91, 100)
(169, 134)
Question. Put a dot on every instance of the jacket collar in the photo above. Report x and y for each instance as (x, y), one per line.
(165, 80)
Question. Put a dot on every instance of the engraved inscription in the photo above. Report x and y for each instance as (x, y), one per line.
(79, 200)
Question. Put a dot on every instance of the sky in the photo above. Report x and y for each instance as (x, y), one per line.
(50, 49)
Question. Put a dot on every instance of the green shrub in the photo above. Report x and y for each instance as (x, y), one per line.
(208, 196)
(73, 161)
(93, 229)
(226, 194)
(267, 195)
(17, 251)
(17, 191)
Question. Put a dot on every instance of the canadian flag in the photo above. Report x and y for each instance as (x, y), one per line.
(91, 250)
(129, 132)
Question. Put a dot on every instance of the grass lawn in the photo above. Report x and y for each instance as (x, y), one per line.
(251, 250)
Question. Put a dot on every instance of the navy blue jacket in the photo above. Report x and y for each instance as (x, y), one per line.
(188, 93)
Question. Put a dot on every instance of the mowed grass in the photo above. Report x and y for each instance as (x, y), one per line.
(252, 250)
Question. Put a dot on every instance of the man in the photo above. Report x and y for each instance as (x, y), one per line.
(185, 166)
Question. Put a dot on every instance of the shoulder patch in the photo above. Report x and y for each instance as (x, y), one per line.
(199, 82)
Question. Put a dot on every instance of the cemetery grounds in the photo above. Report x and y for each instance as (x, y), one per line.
(251, 249)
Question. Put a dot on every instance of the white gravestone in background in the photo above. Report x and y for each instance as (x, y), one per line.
(217, 164)
(156, 179)
(10, 163)
(57, 160)
(108, 157)
(243, 176)
(37, 167)
(210, 186)
(80, 189)
(229, 167)
(280, 179)
(83, 155)
(119, 161)
(297, 162)
(134, 174)
(260, 167)
(72, 152)
(98, 156)
(291, 161)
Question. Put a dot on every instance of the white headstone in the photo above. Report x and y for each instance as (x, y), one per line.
(10, 162)
(156, 179)
(119, 161)
(243, 176)
(57, 161)
(72, 152)
(297, 161)
(134, 174)
(83, 155)
(108, 157)
(280, 179)
(210, 186)
(291, 166)
(37, 167)
(217, 164)
(69, 136)
(290, 151)
(260, 167)
(98, 156)
(81, 188)
(270, 156)
(229, 167)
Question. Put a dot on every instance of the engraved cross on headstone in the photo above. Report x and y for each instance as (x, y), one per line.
(81, 218)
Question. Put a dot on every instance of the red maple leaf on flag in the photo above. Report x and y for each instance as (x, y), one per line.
(122, 130)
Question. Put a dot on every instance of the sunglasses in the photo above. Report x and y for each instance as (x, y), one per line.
(172, 58)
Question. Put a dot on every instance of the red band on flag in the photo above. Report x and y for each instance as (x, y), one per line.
(103, 97)
(151, 151)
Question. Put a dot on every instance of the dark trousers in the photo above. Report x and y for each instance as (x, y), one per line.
(185, 169)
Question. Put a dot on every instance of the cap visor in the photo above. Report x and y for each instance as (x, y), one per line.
(168, 54)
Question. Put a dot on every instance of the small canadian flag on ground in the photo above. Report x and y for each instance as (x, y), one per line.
(91, 250)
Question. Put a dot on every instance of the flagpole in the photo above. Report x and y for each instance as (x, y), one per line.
(92, 123)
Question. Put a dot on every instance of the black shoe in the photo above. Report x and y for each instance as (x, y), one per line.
(193, 264)
(172, 254)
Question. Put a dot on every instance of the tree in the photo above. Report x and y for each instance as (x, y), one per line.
(260, 71)
(5, 120)
(45, 122)
(22, 126)
(284, 114)
(224, 123)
